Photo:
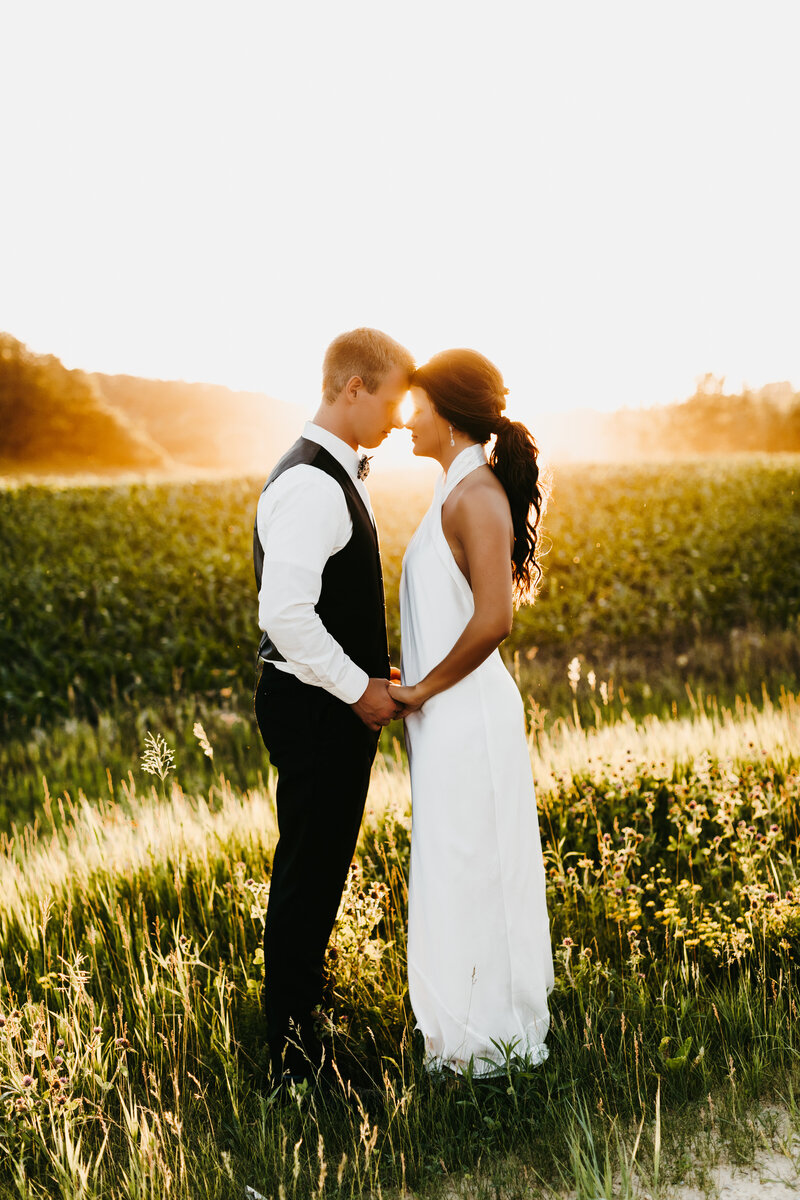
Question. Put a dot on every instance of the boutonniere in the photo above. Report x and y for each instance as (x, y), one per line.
(363, 466)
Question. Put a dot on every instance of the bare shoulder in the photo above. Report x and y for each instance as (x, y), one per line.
(479, 500)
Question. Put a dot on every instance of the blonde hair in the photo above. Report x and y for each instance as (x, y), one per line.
(367, 353)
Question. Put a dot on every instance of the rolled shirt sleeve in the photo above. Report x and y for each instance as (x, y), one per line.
(302, 520)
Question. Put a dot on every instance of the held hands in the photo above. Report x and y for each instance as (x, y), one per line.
(408, 698)
(384, 700)
(376, 707)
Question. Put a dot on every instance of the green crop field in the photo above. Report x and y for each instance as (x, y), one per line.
(136, 603)
(131, 907)
(138, 591)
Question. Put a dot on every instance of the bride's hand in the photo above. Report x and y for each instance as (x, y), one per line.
(408, 698)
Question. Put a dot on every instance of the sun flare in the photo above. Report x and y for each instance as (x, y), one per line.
(406, 409)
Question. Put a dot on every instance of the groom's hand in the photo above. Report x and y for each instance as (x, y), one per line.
(376, 707)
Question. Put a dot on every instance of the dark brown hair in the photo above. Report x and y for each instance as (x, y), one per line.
(468, 391)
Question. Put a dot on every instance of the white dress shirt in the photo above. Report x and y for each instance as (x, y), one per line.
(302, 519)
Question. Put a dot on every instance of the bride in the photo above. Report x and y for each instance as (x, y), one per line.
(479, 958)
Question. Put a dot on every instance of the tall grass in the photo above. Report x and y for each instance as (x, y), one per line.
(132, 1060)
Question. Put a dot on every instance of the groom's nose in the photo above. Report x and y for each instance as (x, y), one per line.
(397, 418)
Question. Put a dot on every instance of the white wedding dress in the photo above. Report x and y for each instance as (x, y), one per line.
(480, 963)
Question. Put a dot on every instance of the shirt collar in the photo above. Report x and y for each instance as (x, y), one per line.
(340, 450)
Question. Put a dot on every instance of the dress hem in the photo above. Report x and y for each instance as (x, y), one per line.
(482, 1066)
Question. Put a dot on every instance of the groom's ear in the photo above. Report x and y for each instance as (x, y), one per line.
(352, 387)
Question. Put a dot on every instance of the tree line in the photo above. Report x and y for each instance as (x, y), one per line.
(55, 419)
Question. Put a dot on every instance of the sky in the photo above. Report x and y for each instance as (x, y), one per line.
(601, 197)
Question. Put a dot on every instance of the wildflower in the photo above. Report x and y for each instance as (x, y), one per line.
(200, 734)
(770, 897)
(27, 1080)
(567, 942)
(574, 673)
(2, 1021)
(774, 828)
(57, 1061)
(60, 1043)
(157, 758)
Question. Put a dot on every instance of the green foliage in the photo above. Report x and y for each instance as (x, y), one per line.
(132, 1047)
(702, 865)
(664, 554)
(136, 592)
(118, 593)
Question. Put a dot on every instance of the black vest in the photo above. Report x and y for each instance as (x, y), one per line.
(351, 605)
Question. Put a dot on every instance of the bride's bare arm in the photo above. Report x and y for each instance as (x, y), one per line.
(479, 522)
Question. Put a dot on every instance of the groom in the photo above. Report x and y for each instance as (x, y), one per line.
(322, 671)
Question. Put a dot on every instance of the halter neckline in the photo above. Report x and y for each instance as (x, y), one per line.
(464, 462)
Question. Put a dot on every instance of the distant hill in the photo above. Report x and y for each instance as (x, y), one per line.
(54, 419)
(204, 424)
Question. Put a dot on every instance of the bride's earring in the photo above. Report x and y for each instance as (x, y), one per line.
(452, 439)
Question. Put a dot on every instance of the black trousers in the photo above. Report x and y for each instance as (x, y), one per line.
(323, 754)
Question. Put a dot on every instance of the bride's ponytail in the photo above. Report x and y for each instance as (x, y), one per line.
(514, 460)
(468, 390)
